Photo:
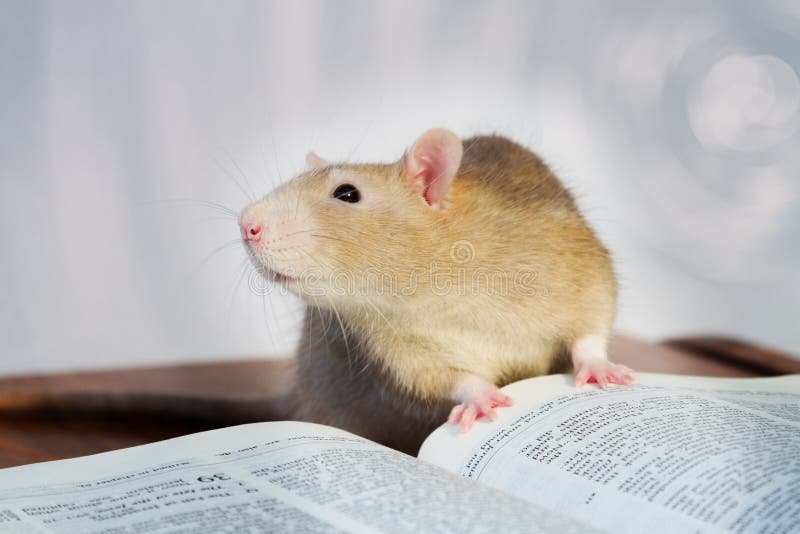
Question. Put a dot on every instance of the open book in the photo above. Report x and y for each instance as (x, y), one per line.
(670, 454)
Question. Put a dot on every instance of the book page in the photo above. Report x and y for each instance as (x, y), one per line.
(667, 454)
(267, 477)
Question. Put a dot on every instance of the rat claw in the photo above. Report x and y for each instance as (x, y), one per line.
(456, 414)
(468, 418)
(501, 399)
(581, 377)
(601, 380)
(623, 376)
(487, 408)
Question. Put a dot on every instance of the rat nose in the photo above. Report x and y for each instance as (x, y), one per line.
(251, 232)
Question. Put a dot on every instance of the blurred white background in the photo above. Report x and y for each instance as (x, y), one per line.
(675, 123)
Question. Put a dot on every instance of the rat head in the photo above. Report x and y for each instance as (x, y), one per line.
(355, 233)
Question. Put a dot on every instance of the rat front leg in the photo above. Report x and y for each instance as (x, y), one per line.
(477, 398)
(590, 361)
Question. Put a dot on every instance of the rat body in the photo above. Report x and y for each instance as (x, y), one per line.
(431, 282)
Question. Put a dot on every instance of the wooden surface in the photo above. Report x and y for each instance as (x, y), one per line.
(35, 438)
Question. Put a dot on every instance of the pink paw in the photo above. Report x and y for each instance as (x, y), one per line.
(479, 400)
(603, 372)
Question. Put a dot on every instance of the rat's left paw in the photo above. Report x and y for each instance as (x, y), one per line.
(603, 372)
(480, 399)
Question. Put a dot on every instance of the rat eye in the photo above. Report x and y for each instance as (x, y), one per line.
(347, 193)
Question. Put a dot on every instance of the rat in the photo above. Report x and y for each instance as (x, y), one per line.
(433, 281)
(429, 282)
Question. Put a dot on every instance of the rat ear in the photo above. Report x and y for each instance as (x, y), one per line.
(432, 163)
(315, 162)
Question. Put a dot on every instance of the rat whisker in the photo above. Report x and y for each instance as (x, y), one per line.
(367, 129)
(266, 167)
(268, 120)
(380, 313)
(271, 320)
(198, 203)
(362, 247)
(226, 218)
(297, 208)
(230, 175)
(342, 328)
(243, 266)
(207, 258)
(394, 294)
(241, 172)
(344, 335)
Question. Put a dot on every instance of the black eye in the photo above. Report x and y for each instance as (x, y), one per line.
(347, 193)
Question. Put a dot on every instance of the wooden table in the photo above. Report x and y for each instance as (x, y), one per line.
(26, 437)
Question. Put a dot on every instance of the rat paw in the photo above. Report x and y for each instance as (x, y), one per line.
(602, 372)
(479, 401)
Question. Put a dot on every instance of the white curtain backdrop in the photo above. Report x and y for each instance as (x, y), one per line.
(675, 123)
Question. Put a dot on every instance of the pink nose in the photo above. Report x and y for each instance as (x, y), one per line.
(251, 232)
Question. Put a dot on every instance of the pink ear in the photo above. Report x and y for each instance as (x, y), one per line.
(315, 162)
(433, 162)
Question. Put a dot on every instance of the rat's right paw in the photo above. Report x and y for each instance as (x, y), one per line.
(480, 399)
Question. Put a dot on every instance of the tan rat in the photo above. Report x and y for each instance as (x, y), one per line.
(431, 282)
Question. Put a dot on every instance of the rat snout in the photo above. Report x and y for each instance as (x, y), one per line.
(277, 236)
(251, 231)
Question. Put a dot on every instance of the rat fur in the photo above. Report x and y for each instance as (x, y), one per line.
(462, 267)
